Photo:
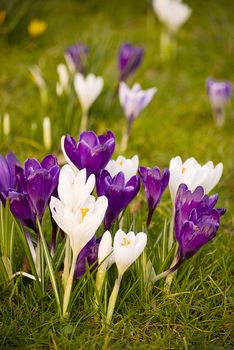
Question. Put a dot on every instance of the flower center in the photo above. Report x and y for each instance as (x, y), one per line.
(121, 163)
(84, 212)
(183, 170)
(125, 242)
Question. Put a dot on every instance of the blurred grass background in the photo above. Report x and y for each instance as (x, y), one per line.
(177, 122)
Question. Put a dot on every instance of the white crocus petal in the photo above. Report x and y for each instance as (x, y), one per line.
(104, 252)
(173, 13)
(63, 77)
(74, 187)
(134, 100)
(87, 89)
(127, 248)
(60, 214)
(192, 174)
(128, 166)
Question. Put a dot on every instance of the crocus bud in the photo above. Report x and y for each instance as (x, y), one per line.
(6, 126)
(104, 252)
(47, 133)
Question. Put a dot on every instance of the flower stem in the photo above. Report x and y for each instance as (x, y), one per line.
(219, 116)
(68, 286)
(126, 134)
(67, 261)
(112, 300)
(100, 277)
(84, 121)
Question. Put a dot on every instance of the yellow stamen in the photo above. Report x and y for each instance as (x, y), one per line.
(84, 211)
(125, 242)
(121, 162)
(183, 170)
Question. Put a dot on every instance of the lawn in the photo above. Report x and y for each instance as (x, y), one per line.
(197, 311)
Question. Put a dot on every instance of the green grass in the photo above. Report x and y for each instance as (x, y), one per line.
(197, 312)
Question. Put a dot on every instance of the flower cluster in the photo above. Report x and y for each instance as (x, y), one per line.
(92, 189)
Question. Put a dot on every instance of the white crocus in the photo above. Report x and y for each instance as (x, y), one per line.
(47, 133)
(127, 248)
(78, 214)
(172, 13)
(87, 89)
(105, 257)
(62, 85)
(128, 166)
(6, 125)
(36, 76)
(192, 174)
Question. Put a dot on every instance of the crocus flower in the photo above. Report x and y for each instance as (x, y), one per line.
(88, 255)
(76, 212)
(193, 174)
(62, 85)
(105, 257)
(133, 101)
(7, 175)
(36, 27)
(130, 58)
(196, 220)
(172, 13)
(155, 183)
(47, 133)
(38, 79)
(118, 192)
(219, 93)
(128, 167)
(35, 185)
(91, 152)
(76, 56)
(127, 248)
(87, 89)
(6, 124)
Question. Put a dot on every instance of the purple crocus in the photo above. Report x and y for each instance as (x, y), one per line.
(7, 175)
(76, 56)
(36, 183)
(219, 93)
(155, 183)
(88, 255)
(130, 58)
(118, 193)
(196, 220)
(91, 152)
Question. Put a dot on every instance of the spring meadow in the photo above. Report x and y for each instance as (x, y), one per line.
(116, 174)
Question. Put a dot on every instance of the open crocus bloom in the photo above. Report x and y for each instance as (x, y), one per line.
(127, 248)
(87, 89)
(172, 13)
(92, 152)
(134, 100)
(196, 220)
(193, 174)
(130, 58)
(76, 212)
(128, 167)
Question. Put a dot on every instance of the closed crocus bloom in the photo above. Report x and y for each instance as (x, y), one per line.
(193, 174)
(128, 167)
(196, 220)
(62, 85)
(118, 192)
(105, 258)
(7, 174)
(76, 56)
(219, 93)
(130, 58)
(88, 255)
(172, 13)
(92, 152)
(134, 100)
(87, 89)
(127, 248)
(155, 183)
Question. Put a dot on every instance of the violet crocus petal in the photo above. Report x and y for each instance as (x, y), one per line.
(90, 138)
(196, 220)
(5, 179)
(76, 55)
(30, 166)
(21, 209)
(39, 189)
(129, 60)
(12, 162)
(88, 255)
(70, 147)
(49, 162)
